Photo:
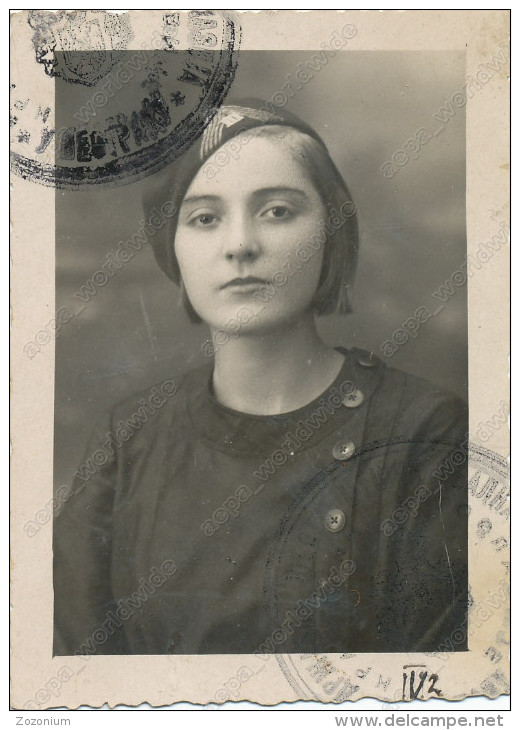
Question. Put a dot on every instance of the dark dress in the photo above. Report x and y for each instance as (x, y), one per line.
(340, 527)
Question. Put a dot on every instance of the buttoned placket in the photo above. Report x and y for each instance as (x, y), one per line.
(325, 508)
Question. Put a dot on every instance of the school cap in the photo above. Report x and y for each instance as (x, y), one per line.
(172, 183)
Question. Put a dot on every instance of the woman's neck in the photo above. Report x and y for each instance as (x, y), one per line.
(275, 373)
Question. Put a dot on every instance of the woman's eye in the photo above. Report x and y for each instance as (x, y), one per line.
(203, 220)
(278, 211)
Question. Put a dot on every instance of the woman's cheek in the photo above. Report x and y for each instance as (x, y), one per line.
(306, 259)
(299, 243)
(194, 264)
(297, 288)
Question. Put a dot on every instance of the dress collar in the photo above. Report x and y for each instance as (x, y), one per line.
(245, 434)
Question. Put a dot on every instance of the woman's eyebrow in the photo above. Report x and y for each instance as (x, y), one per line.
(266, 192)
(260, 193)
(201, 199)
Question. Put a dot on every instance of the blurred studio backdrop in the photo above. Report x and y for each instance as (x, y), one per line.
(403, 158)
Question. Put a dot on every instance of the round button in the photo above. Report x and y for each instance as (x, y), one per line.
(343, 450)
(367, 359)
(334, 520)
(353, 399)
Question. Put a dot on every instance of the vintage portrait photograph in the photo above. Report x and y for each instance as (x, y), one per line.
(261, 443)
(280, 479)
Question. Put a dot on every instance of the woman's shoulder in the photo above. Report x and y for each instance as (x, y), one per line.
(410, 385)
(416, 389)
(159, 401)
(405, 397)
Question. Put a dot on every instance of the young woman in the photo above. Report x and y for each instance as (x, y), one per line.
(289, 496)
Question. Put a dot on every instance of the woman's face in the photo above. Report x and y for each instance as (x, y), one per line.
(249, 240)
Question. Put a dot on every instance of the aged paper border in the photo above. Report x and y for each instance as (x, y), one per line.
(38, 680)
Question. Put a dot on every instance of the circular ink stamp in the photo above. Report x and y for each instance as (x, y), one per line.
(103, 98)
(471, 660)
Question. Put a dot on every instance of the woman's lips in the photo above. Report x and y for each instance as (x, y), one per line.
(245, 283)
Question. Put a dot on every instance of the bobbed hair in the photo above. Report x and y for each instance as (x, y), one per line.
(340, 237)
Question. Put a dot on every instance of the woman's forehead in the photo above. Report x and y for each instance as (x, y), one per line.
(258, 163)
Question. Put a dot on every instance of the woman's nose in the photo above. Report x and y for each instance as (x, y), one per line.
(241, 243)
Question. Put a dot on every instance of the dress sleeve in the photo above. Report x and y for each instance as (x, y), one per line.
(82, 544)
(423, 589)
